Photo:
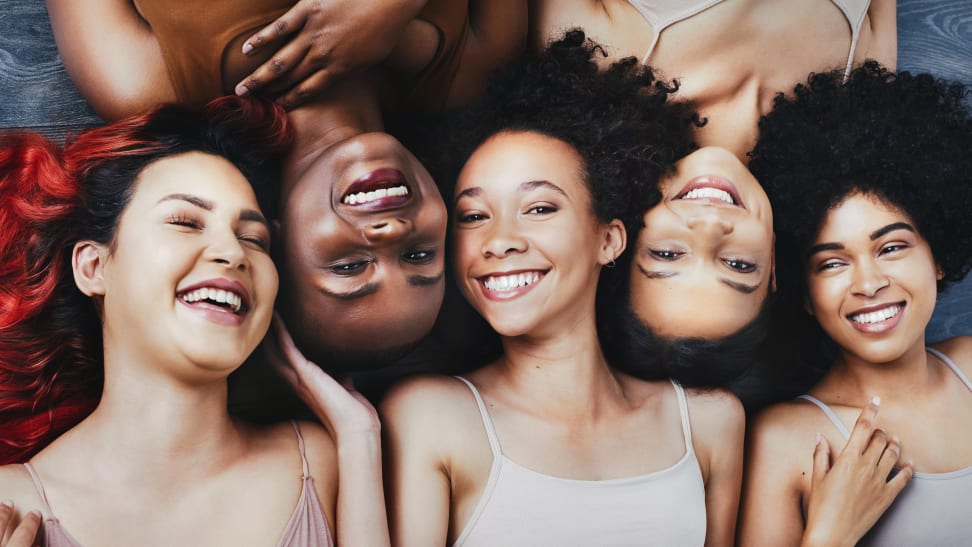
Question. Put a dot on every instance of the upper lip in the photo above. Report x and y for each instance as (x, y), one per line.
(378, 179)
(222, 283)
(713, 181)
(874, 308)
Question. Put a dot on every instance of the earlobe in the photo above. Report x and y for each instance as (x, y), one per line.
(615, 241)
(939, 273)
(807, 306)
(87, 261)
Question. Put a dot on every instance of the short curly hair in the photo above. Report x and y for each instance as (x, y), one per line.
(905, 139)
(622, 121)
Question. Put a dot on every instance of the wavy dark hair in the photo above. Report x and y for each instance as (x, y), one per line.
(51, 349)
(903, 138)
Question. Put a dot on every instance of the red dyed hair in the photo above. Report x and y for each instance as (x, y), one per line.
(50, 333)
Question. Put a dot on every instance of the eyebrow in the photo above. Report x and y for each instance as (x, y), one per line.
(735, 285)
(874, 235)
(371, 288)
(251, 215)
(527, 186)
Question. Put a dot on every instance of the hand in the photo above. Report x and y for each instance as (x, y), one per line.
(848, 497)
(343, 410)
(25, 533)
(319, 40)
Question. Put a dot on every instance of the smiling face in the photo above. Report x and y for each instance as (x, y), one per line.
(363, 231)
(872, 279)
(703, 264)
(188, 273)
(528, 247)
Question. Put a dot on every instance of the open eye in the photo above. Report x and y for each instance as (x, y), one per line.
(419, 256)
(831, 264)
(470, 217)
(349, 268)
(740, 265)
(542, 209)
(892, 248)
(665, 254)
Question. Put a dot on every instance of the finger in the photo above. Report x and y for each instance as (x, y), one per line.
(6, 516)
(277, 71)
(285, 25)
(26, 531)
(890, 457)
(864, 427)
(306, 89)
(821, 460)
(900, 480)
(876, 447)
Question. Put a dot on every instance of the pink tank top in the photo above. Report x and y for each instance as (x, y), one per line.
(520, 507)
(662, 14)
(932, 509)
(306, 527)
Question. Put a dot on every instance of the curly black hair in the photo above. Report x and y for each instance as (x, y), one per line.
(622, 122)
(906, 139)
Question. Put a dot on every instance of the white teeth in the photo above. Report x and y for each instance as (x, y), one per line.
(877, 316)
(365, 197)
(233, 300)
(706, 193)
(510, 282)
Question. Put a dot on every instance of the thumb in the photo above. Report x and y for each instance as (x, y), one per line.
(821, 460)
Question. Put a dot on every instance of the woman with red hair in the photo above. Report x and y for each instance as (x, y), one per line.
(136, 276)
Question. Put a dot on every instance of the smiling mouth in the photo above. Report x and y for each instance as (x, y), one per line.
(877, 316)
(511, 282)
(218, 298)
(381, 189)
(711, 189)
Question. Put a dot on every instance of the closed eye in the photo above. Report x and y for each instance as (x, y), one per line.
(185, 221)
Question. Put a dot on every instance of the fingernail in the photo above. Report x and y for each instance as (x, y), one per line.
(895, 439)
(819, 438)
(7, 503)
(247, 48)
(242, 90)
(876, 400)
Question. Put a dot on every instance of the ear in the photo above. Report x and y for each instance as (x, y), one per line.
(808, 306)
(615, 241)
(88, 260)
(939, 272)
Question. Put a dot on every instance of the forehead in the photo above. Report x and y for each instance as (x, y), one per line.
(510, 158)
(204, 175)
(858, 215)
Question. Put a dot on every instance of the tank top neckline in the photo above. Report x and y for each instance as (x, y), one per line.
(924, 475)
(499, 458)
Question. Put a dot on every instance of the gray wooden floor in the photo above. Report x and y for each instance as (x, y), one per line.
(933, 36)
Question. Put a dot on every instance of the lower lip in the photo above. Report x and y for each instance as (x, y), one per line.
(214, 314)
(880, 326)
(501, 296)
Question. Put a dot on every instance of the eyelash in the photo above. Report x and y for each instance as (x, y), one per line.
(186, 221)
(427, 256)
(469, 218)
(665, 254)
(350, 268)
(740, 265)
(893, 248)
(544, 209)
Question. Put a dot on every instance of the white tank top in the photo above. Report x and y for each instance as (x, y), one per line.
(933, 509)
(521, 507)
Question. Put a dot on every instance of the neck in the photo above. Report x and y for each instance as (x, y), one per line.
(349, 108)
(564, 371)
(907, 378)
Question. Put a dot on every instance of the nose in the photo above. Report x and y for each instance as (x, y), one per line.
(502, 241)
(388, 230)
(868, 279)
(711, 221)
(225, 248)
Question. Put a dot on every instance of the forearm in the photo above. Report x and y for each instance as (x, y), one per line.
(361, 518)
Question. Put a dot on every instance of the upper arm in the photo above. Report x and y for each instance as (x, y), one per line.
(718, 429)
(883, 15)
(111, 55)
(497, 35)
(416, 483)
(770, 511)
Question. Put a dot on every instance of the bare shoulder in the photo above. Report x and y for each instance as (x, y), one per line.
(784, 435)
(959, 351)
(17, 486)
(426, 396)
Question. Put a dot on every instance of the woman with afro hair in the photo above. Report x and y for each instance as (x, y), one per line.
(552, 443)
(871, 189)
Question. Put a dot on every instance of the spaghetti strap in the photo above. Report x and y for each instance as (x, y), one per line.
(683, 412)
(494, 444)
(830, 414)
(951, 364)
(303, 452)
(40, 489)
